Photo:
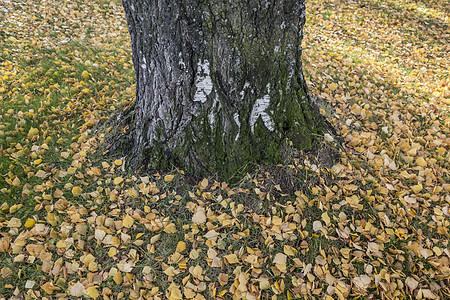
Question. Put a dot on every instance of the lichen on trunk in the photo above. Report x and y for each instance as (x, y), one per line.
(219, 84)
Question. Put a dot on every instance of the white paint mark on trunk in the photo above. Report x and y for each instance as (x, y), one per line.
(214, 108)
(236, 119)
(203, 82)
(181, 62)
(259, 111)
(242, 93)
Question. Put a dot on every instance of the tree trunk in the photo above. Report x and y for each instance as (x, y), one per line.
(219, 83)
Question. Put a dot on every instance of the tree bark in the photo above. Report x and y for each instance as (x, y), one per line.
(219, 83)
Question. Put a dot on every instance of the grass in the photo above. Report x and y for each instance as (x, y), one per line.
(65, 68)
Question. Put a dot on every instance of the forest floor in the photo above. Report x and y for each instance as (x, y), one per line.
(74, 223)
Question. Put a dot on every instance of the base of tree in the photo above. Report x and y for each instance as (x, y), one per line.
(269, 150)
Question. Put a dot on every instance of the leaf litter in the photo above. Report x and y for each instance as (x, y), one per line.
(74, 224)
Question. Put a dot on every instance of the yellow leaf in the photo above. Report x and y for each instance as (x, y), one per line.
(76, 191)
(326, 218)
(204, 184)
(174, 292)
(332, 86)
(32, 132)
(280, 261)
(288, 250)
(170, 271)
(194, 254)
(154, 290)
(231, 258)
(96, 171)
(112, 252)
(417, 188)
(118, 180)
(289, 296)
(421, 162)
(49, 288)
(118, 162)
(128, 221)
(133, 193)
(88, 259)
(92, 291)
(30, 223)
(169, 178)
(16, 181)
(115, 241)
(188, 293)
(197, 272)
(170, 228)
(40, 174)
(61, 244)
(346, 252)
(93, 267)
(85, 74)
(185, 279)
(118, 278)
(181, 246)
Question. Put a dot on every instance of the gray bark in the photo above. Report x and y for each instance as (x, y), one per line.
(219, 83)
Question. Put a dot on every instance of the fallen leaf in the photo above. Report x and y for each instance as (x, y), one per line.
(30, 223)
(223, 278)
(420, 161)
(288, 250)
(417, 188)
(411, 283)
(317, 225)
(118, 180)
(77, 290)
(174, 292)
(49, 288)
(169, 178)
(231, 258)
(127, 221)
(170, 271)
(332, 86)
(264, 283)
(181, 246)
(92, 292)
(30, 284)
(199, 217)
(14, 223)
(197, 272)
(280, 261)
(76, 191)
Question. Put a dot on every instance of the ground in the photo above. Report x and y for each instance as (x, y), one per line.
(77, 223)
